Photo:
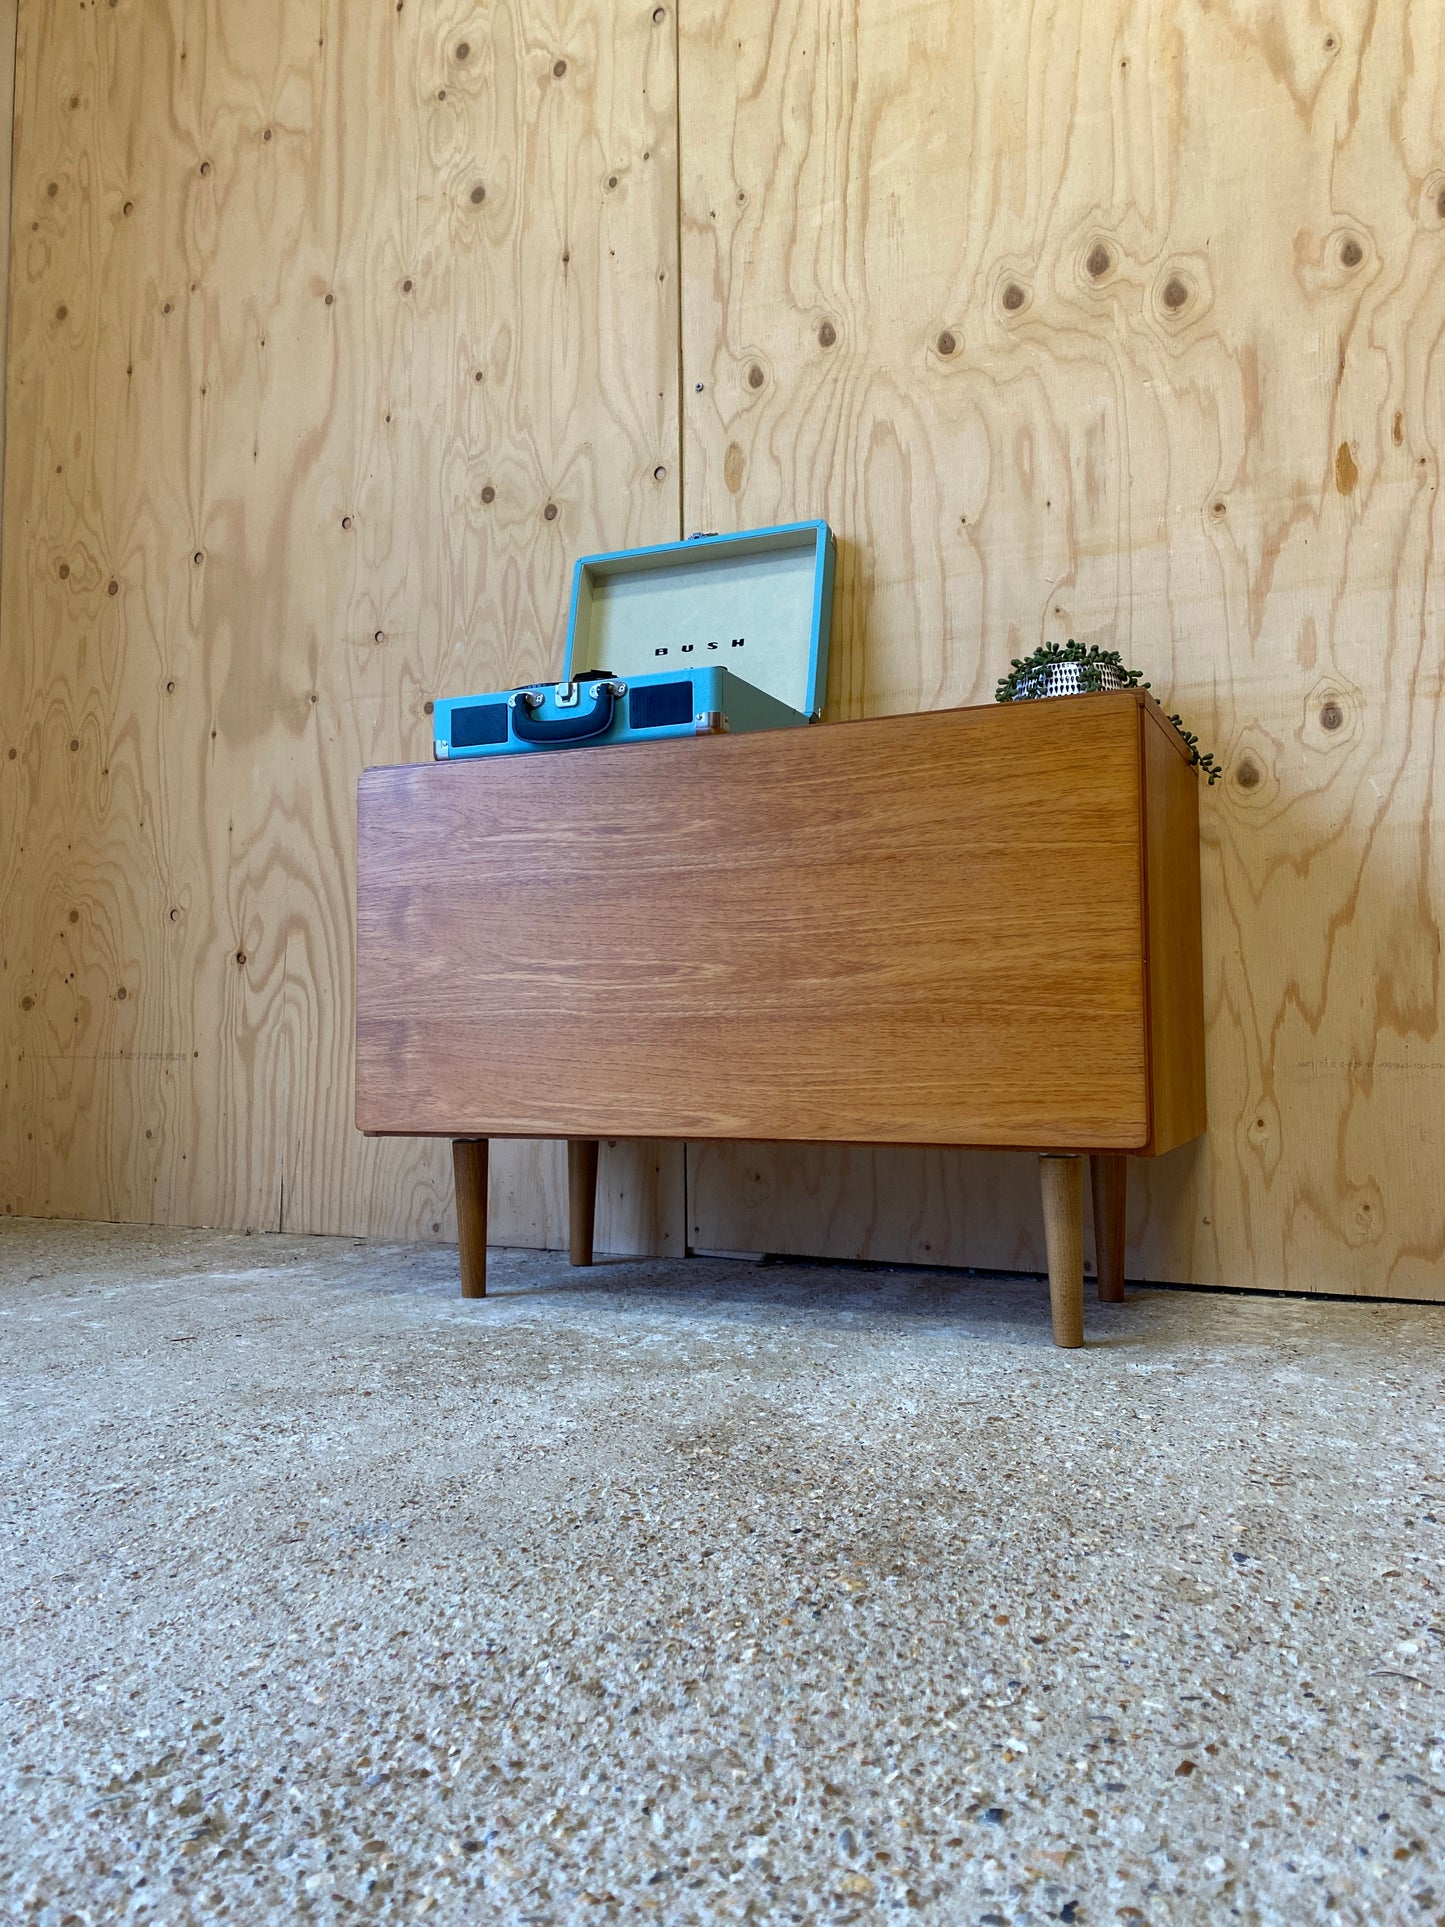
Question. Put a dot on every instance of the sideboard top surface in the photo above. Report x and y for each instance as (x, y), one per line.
(927, 929)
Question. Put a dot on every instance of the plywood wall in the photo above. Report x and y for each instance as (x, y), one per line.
(1120, 322)
(1085, 317)
(9, 25)
(338, 332)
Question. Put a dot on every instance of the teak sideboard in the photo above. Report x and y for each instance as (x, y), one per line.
(967, 927)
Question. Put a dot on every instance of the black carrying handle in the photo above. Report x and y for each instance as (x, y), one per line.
(564, 729)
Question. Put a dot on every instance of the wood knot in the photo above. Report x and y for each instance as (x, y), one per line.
(63, 571)
(1099, 261)
(1248, 775)
(550, 512)
(75, 916)
(1440, 204)
(407, 286)
(428, 708)
(53, 189)
(827, 335)
(559, 67)
(241, 958)
(612, 180)
(121, 994)
(74, 744)
(659, 474)
(266, 135)
(1175, 293)
(479, 194)
(1351, 253)
(62, 312)
(948, 343)
(659, 14)
(112, 588)
(27, 1003)
(1013, 297)
(1331, 716)
(489, 494)
(756, 377)
(1219, 509)
(464, 50)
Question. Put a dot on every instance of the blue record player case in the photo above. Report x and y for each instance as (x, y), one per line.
(725, 632)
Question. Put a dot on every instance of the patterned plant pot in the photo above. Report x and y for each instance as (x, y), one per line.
(1068, 679)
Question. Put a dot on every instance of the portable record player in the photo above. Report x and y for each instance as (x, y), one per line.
(723, 632)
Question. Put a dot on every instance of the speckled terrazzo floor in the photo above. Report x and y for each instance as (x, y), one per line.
(705, 1593)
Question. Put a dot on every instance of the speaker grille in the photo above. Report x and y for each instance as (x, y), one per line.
(479, 726)
(657, 704)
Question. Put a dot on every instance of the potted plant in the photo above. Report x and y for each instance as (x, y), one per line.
(1073, 670)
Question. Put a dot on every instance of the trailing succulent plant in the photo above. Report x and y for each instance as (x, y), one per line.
(1095, 669)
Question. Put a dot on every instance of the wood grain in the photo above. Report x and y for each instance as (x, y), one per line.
(337, 333)
(1239, 487)
(856, 933)
(1121, 322)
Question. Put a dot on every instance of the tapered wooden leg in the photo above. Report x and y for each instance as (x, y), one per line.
(1062, 1182)
(1109, 1179)
(581, 1196)
(469, 1163)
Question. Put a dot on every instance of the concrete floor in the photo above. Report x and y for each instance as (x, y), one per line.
(697, 1593)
